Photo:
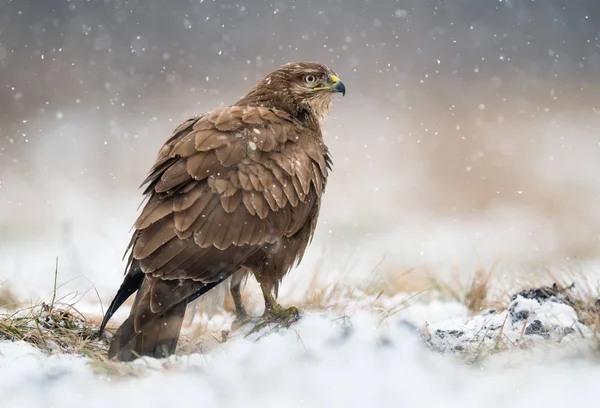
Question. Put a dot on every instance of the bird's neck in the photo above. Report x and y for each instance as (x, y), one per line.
(276, 100)
(309, 119)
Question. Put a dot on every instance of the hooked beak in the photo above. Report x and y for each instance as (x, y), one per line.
(335, 86)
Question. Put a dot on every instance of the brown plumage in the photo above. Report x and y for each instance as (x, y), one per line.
(237, 189)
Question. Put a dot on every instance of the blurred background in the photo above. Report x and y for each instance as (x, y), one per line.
(469, 133)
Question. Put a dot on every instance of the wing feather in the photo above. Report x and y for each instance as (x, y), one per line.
(228, 120)
(203, 164)
(234, 180)
(153, 237)
(163, 255)
(246, 230)
(267, 115)
(185, 200)
(184, 219)
(251, 116)
(211, 139)
(270, 200)
(154, 210)
(232, 153)
(185, 147)
(231, 203)
(174, 176)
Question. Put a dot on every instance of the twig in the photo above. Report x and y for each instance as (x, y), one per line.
(55, 280)
(501, 332)
(523, 329)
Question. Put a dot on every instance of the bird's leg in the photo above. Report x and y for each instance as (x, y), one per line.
(236, 294)
(271, 305)
(274, 312)
(242, 316)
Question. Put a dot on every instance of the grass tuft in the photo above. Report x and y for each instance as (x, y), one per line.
(55, 327)
(474, 294)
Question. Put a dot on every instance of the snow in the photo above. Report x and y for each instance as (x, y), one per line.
(325, 360)
(525, 323)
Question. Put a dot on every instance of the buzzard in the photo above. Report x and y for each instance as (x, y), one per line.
(234, 190)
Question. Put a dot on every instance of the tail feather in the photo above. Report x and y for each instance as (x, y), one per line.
(157, 339)
(147, 333)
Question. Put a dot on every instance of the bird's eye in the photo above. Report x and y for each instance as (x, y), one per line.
(310, 79)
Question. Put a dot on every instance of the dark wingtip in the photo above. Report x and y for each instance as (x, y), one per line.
(131, 283)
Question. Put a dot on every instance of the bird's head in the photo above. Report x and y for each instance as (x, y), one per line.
(302, 86)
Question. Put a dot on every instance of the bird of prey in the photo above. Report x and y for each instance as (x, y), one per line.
(233, 190)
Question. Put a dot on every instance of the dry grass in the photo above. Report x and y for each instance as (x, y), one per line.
(53, 327)
(474, 294)
(8, 299)
(483, 292)
(367, 293)
(476, 297)
(585, 298)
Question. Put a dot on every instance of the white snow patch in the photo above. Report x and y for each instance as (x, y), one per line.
(323, 360)
(525, 322)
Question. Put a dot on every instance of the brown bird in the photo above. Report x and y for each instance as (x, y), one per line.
(234, 190)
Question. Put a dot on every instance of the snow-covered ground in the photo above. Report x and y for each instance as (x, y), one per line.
(361, 358)
(348, 350)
